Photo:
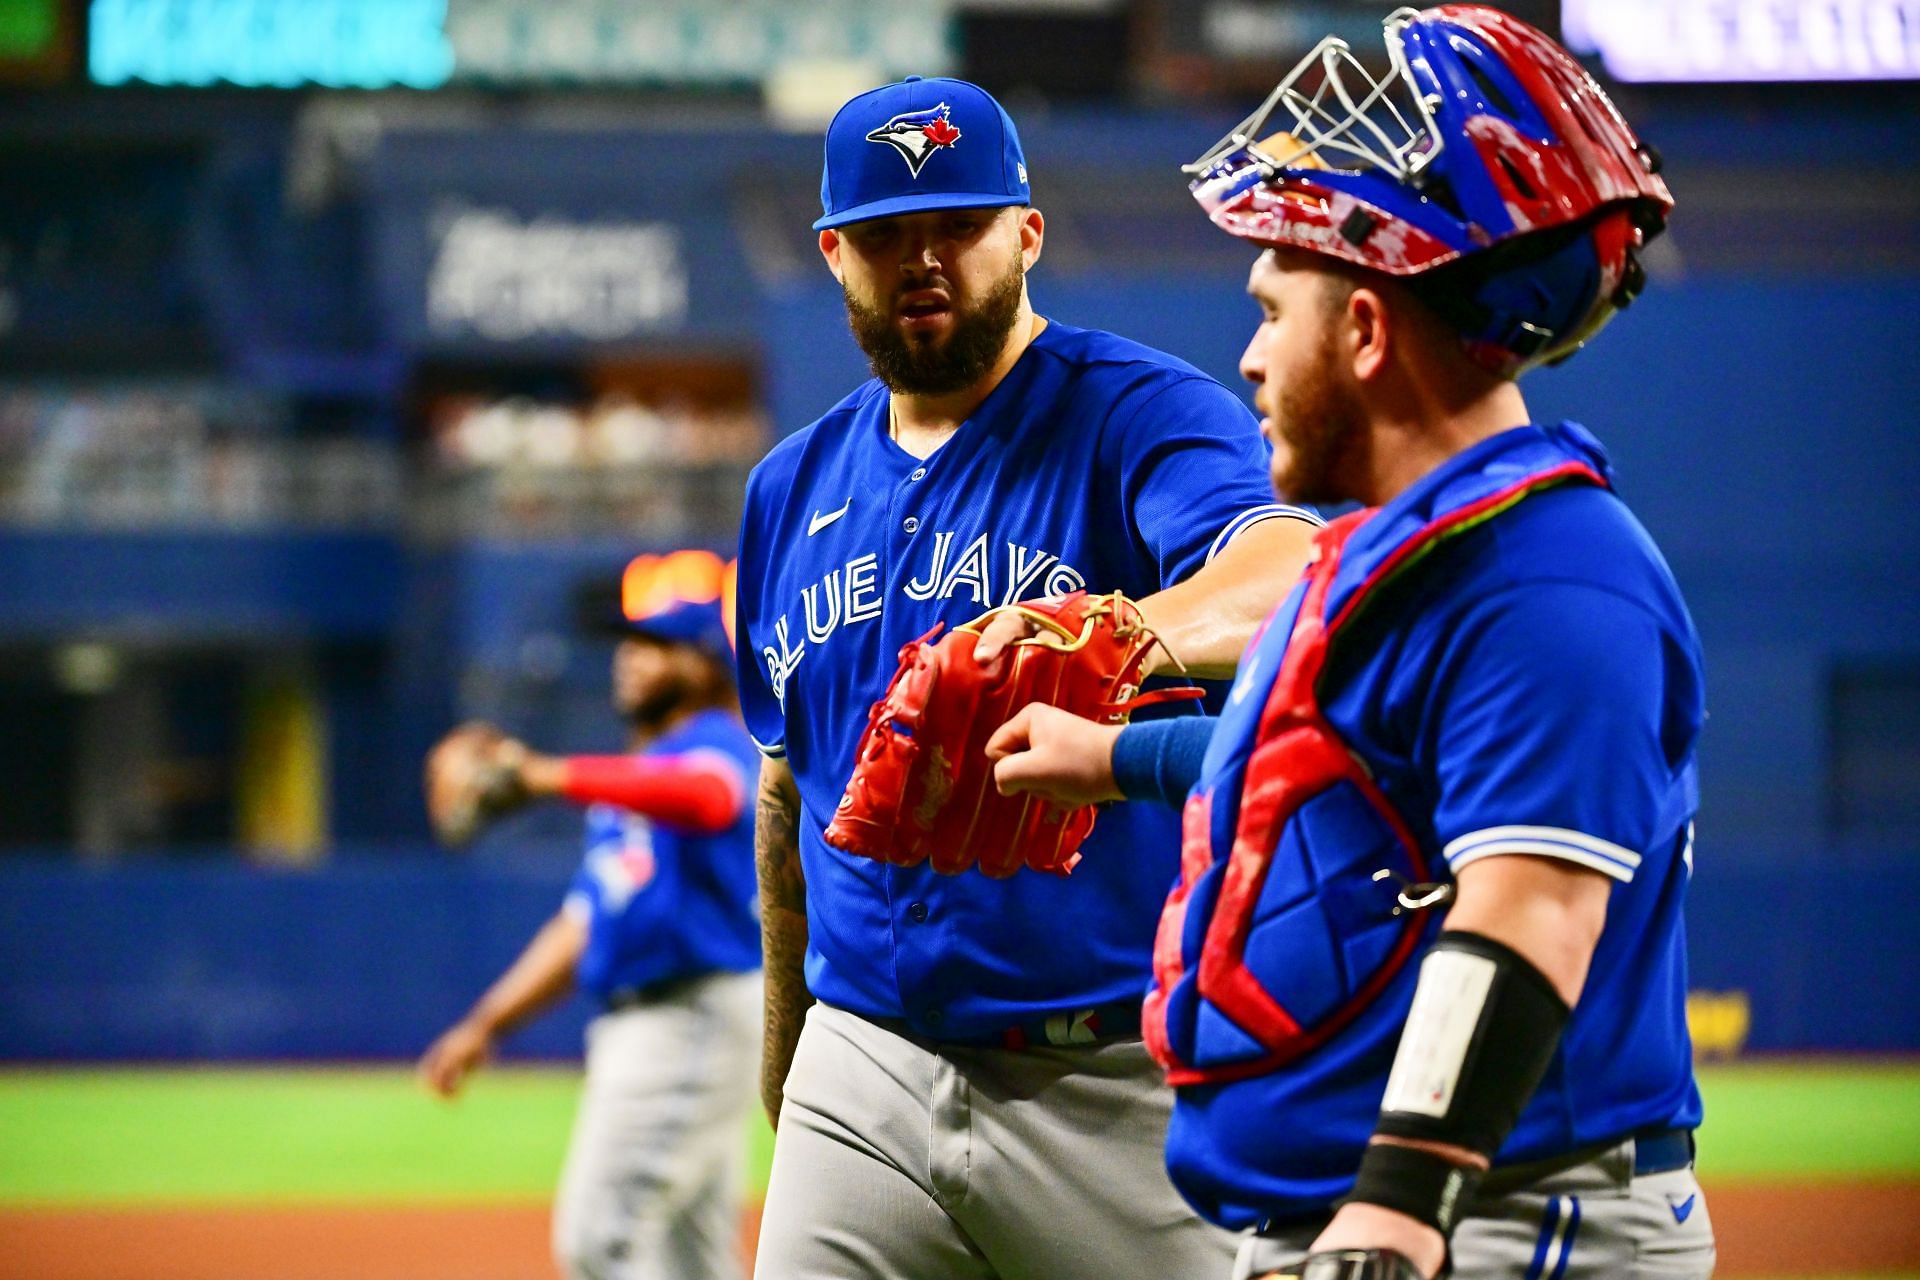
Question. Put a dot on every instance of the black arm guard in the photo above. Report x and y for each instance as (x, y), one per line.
(1484, 1028)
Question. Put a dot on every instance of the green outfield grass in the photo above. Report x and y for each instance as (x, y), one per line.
(1780, 1121)
(285, 1135)
(97, 1137)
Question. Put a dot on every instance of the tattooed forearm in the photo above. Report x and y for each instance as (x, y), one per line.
(783, 927)
(776, 839)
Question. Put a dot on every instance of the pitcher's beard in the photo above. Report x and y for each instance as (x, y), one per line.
(937, 368)
(649, 713)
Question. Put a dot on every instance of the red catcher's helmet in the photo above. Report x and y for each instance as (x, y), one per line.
(1486, 167)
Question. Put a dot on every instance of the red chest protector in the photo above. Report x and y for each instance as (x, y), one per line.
(1265, 955)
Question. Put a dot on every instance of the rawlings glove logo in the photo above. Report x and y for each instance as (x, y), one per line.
(917, 135)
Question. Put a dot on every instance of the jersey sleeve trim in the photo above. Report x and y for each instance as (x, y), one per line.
(771, 750)
(1578, 847)
(1254, 515)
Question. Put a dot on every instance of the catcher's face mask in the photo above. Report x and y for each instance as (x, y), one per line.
(1484, 141)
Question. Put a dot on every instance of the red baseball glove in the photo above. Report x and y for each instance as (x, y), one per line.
(922, 785)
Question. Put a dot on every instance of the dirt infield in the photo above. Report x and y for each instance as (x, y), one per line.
(1815, 1228)
(1799, 1230)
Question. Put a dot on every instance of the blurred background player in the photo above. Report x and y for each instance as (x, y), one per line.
(970, 1096)
(1485, 697)
(660, 928)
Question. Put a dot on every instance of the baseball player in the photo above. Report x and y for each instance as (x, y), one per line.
(659, 927)
(1421, 985)
(969, 1095)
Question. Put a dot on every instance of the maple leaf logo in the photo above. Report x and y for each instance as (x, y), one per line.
(942, 133)
(918, 134)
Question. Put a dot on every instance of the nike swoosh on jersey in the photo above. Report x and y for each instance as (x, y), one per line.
(820, 522)
(1683, 1210)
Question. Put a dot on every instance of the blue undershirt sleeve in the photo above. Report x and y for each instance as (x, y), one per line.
(1160, 759)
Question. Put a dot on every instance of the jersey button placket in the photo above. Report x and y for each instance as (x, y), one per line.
(917, 913)
(911, 524)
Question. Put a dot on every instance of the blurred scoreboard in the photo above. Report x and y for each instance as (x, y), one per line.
(342, 44)
(1681, 41)
(430, 44)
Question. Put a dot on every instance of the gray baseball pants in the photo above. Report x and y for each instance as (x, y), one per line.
(651, 1188)
(1595, 1221)
(902, 1159)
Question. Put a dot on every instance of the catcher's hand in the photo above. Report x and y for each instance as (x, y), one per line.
(1048, 752)
(1349, 1264)
(923, 785)
(473, 777)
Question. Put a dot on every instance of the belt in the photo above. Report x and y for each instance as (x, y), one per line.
(653, 992)
(1662, 1151)
(1117, 1020)
(1654, 1151)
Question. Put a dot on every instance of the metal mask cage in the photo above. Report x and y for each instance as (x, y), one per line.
(1337, 106)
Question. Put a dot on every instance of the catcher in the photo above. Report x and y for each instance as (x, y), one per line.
(659, 927)
(1421, 986)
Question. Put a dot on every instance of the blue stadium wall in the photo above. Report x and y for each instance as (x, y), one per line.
(368, 958)
(1762, 424)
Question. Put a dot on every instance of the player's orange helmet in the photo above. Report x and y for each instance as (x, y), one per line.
(685, 596)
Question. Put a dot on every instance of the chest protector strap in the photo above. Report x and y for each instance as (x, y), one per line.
(1297, 757)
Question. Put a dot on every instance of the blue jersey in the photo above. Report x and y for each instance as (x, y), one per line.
(663, 903)
(1095, 463)
(1533, 686)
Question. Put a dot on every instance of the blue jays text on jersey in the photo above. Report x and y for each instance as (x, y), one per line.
(1096, 462)
(663, 904)
(1530, 685)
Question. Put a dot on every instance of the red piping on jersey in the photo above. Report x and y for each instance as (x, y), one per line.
(1297, 755)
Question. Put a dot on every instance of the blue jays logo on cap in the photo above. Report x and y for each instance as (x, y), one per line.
(918, 134)
(915, 119)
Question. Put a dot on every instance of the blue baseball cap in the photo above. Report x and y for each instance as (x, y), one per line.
(920, 144)
(701, 623)
(683, 597)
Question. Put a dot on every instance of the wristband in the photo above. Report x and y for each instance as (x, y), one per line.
(1426, 1187)
(1161, 759)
